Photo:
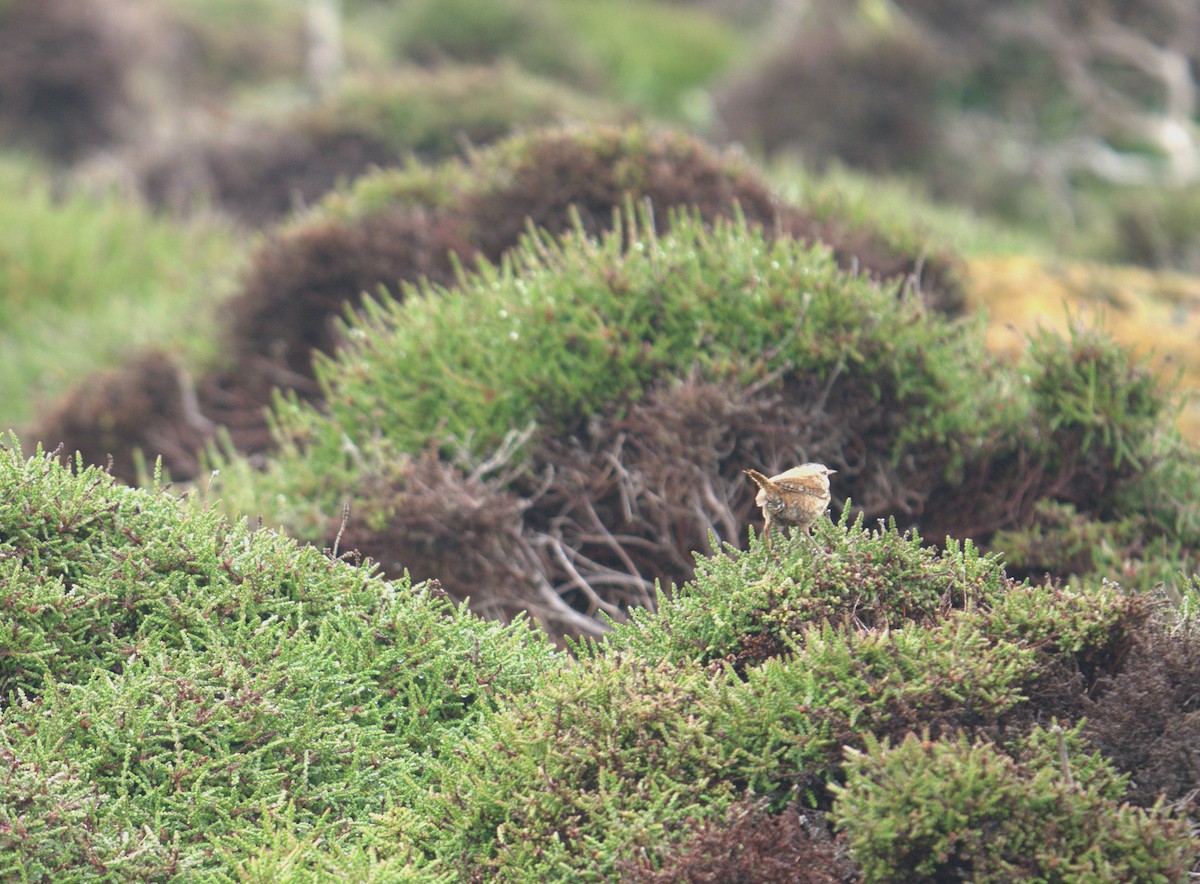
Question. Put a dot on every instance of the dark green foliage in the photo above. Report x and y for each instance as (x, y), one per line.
(962, 810)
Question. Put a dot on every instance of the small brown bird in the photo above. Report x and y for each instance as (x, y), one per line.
(796, 498)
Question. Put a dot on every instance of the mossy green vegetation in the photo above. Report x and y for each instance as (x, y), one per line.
(656, 55)
(651, 55)
(184, 696)
(434, 113)
(607, 764)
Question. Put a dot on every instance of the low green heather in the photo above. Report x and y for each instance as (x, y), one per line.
(564, 329)
(185, 689)
(748, 606)
(84, 279)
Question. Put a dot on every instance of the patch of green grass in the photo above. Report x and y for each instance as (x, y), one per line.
(85, 279)
(657, 56)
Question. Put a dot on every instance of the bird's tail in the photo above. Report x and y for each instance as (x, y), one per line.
(758, 478)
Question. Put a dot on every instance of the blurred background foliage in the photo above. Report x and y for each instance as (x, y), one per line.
(1064, 128)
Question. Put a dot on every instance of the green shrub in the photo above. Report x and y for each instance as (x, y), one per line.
(54, 823)
(957, 810)
(646, 737)
(1094, 398)
(653, 55)
(1121, 478)
(97, 575)
(185, 697)
(286, 858)
(432, 113)
(711, 334)
(786, 725)
(1058, 540)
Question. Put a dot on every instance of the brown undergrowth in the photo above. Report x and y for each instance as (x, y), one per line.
(596, 518)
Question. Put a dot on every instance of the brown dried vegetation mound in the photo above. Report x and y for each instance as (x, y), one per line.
(258, 172)
(1147, 717)
(751, 844)
(65, 75)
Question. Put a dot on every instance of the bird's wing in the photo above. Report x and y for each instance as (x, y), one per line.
(805, 485)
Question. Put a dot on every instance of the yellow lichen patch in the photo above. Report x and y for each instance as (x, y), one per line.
(1156, 313)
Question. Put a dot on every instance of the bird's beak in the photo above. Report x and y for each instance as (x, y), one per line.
(830, 472)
